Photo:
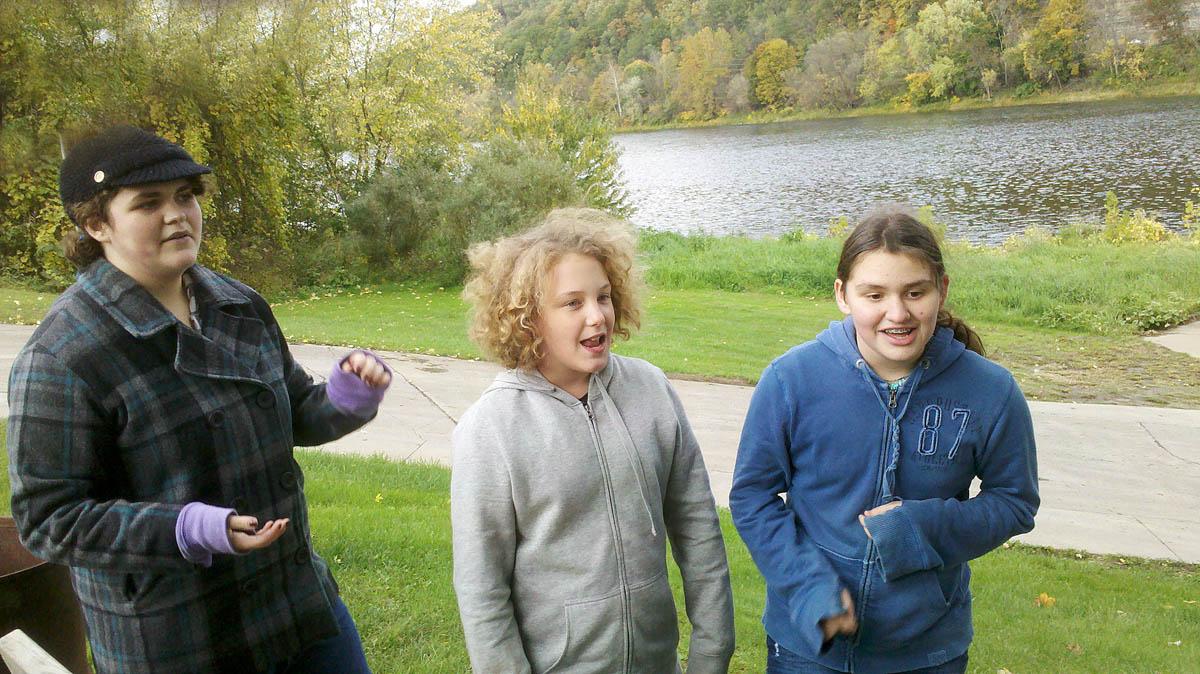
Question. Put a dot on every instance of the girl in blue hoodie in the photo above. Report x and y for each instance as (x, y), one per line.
(874, 432)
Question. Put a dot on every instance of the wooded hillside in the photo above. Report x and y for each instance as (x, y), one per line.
(651, 61)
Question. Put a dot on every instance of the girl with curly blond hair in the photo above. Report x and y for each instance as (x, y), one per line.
(573, 469)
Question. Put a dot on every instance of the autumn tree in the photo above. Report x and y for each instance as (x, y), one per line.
(830, 76)
(771, 60)
(1167, 18)
(954, 41)
(884, 70)
(541, 115)
(1054, 49)
(735, 94)
(703, 65)
(296, 106)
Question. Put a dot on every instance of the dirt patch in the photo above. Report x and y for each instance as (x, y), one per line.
(1091, 369)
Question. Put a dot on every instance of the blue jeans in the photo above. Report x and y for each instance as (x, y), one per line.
(782, 661)
(341, 654)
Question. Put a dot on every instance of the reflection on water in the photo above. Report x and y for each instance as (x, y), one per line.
(985, 173)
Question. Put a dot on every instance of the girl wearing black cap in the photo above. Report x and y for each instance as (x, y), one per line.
(152, 419)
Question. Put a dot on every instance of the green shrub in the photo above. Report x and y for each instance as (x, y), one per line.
(1129, 226)
(418, 221)
(1146, 314)
(508, 186)
(1026, 90)
(395, 215)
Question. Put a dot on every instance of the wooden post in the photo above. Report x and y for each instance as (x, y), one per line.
(23, 656)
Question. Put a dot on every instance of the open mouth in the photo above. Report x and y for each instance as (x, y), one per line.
(900, 335)
(594, 343)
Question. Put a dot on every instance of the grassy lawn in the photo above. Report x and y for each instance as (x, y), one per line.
(1064, 313)
(384, 527)
(726, 335)
(732, 335)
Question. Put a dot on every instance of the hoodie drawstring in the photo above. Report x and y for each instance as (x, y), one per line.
(634, 461)
(889, 473)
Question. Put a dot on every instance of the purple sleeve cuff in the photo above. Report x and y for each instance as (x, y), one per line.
(201, 531)
(350, 394)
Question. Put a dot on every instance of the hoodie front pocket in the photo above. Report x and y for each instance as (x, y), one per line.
(899, 611)
(655, 626)
(593, 639)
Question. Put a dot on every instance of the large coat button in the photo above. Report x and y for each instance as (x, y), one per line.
(265, 399)
(287, 480)
(302, 556)
(216, 418)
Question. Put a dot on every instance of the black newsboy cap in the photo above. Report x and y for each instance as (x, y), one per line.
(121, 155)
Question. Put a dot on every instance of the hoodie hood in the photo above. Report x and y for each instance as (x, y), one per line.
(532, 380)
(941, 352)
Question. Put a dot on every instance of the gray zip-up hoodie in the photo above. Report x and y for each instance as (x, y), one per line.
(561, 511)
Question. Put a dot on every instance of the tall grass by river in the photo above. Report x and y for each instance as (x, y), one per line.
(1077, 284)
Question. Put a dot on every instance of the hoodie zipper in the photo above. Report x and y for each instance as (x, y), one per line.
(865, 580)
(616, 527)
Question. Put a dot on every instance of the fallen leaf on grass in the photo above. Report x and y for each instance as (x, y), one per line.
(379, 498)
(1168, 607)
(1044, 600)
(1175, 643)
(1074, 648)
(1189, 601)
(1120, 612)
(1003, 671)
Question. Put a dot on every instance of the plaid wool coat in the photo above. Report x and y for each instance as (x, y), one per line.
(121, 415)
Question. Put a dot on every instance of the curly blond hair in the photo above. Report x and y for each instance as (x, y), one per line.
(508, 280)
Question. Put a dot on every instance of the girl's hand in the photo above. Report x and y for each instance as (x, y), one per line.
(244, 538)
(879, 510)
(845, 623)
(369, 370)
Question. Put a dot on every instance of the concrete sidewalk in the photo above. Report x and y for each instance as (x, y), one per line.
(1185, 339)
(1114, 479)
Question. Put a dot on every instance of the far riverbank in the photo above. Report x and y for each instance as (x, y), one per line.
(1072, 93)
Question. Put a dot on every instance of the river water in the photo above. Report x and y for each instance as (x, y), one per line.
(985, 173)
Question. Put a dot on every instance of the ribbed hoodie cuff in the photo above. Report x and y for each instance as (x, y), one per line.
(899, 543)
(808, 622)
(699, 663)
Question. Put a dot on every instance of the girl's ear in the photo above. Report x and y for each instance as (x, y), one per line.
(839, 294)
(98, 229)
(945, 287)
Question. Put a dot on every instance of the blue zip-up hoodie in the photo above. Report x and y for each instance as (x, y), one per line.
(826, 431)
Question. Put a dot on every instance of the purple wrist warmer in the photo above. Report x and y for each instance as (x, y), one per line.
(350, 394)
(200, 532)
